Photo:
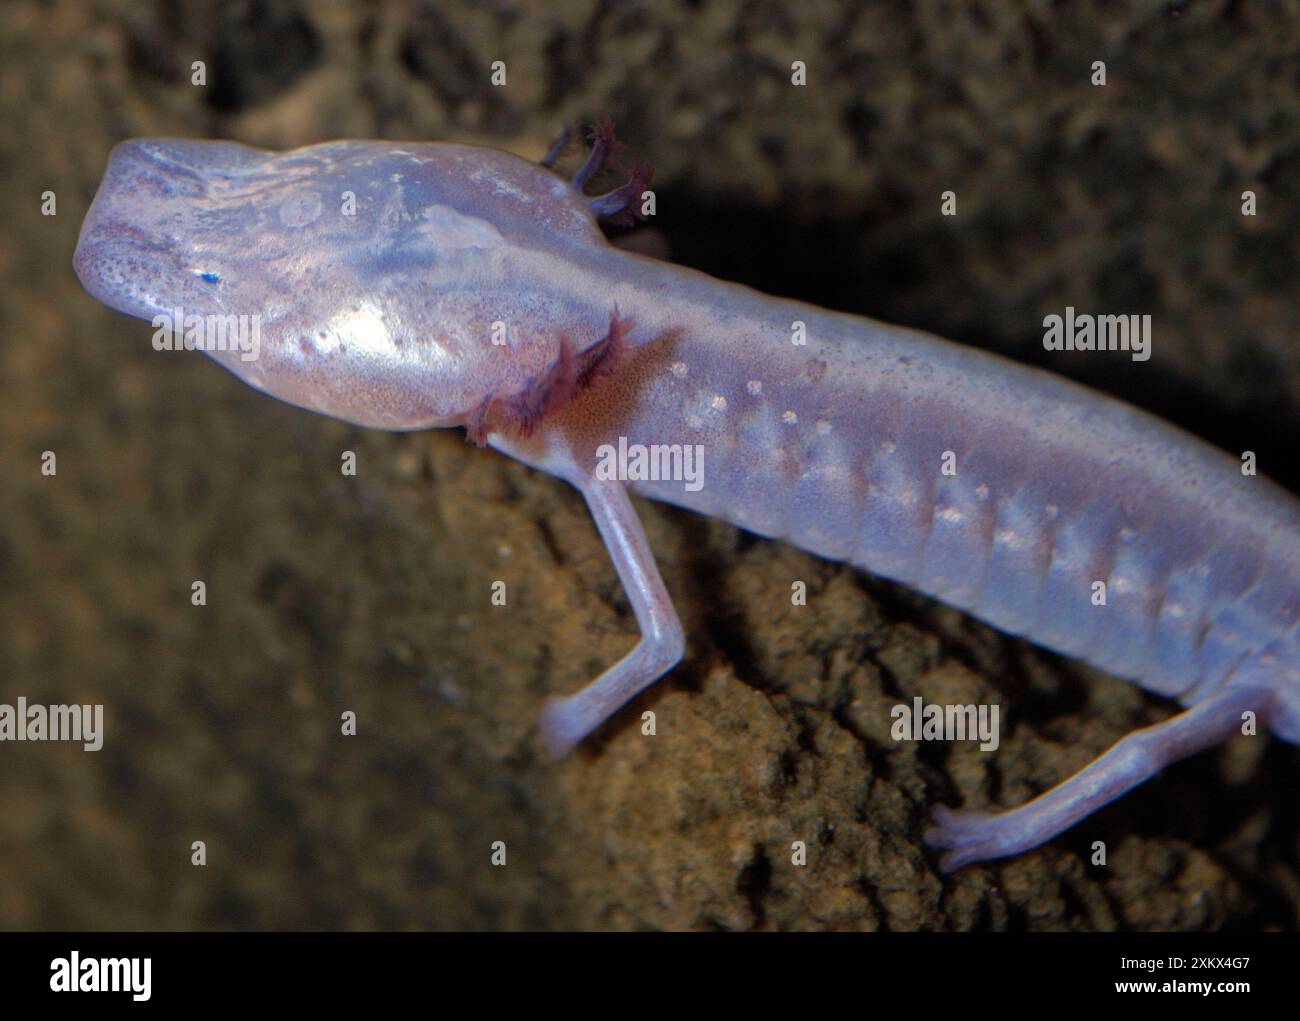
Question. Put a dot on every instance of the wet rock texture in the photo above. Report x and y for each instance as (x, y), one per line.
(370, 594)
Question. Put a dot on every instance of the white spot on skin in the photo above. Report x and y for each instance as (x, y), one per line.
(446, 228)
(703, 408)
(754, 386)
(790, 418)
(951, 515)
(679, 369)
(363, 329)
(982, 491)
(1052, 511)
(888, 447)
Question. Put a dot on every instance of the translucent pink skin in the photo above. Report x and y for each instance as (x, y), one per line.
(995, 487)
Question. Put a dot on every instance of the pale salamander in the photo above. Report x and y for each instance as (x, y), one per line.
(414, 286)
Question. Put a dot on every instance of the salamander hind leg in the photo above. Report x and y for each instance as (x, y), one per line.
(969, 836)
(566, 721)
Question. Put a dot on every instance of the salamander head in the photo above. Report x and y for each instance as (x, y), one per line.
(387, 284)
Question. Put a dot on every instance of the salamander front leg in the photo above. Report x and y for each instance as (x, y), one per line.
(566, 721)
(978, 836)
